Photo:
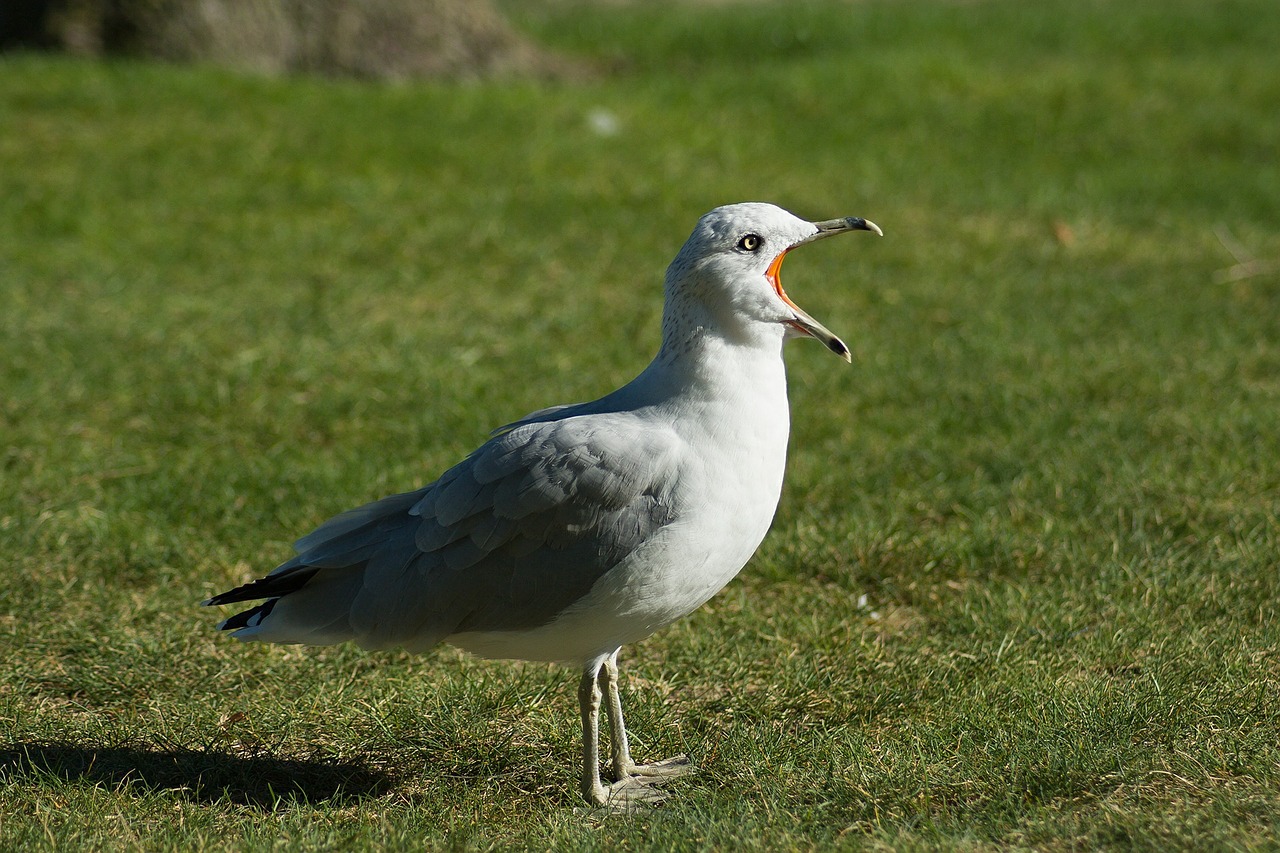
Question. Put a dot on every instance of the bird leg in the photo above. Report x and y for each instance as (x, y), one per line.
(629, 792)
(635, 784)
(589, 702)
(623, 766)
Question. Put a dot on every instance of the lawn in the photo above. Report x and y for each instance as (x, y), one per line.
(1022, 589)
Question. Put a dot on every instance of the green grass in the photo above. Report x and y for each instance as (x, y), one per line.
(234, 306)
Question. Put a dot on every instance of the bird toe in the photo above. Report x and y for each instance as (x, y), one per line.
(659, 771)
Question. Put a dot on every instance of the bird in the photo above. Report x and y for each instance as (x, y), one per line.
(581, 528)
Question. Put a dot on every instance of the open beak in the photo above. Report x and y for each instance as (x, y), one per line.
(802, 322)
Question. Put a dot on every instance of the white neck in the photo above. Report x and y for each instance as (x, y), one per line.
(730, 386)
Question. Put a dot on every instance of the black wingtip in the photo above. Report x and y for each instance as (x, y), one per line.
(248, 618)
(274, 585)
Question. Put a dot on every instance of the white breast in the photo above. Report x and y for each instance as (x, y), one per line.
(730, 482)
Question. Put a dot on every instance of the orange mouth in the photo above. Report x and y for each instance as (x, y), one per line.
(772, 274)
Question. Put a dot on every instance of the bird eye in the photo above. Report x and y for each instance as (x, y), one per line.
(749, 243)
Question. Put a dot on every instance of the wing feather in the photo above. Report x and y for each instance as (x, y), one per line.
(506, 539)
(351, 521)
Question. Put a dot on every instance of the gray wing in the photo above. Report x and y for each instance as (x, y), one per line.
(549, 413)
(505, 540)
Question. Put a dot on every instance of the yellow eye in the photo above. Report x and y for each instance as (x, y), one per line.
(749, 243)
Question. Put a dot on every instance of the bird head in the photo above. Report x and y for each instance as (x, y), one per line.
(729, 269)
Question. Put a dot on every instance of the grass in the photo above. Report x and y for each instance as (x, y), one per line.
(1022, 589)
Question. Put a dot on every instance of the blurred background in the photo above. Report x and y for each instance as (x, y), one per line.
(381, 39)
(264, 261)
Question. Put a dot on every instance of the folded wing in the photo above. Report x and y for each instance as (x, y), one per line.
(503, 541)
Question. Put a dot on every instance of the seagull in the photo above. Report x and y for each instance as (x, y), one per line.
(581, 528)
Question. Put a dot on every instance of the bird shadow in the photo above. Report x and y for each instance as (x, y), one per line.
(208, 776)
